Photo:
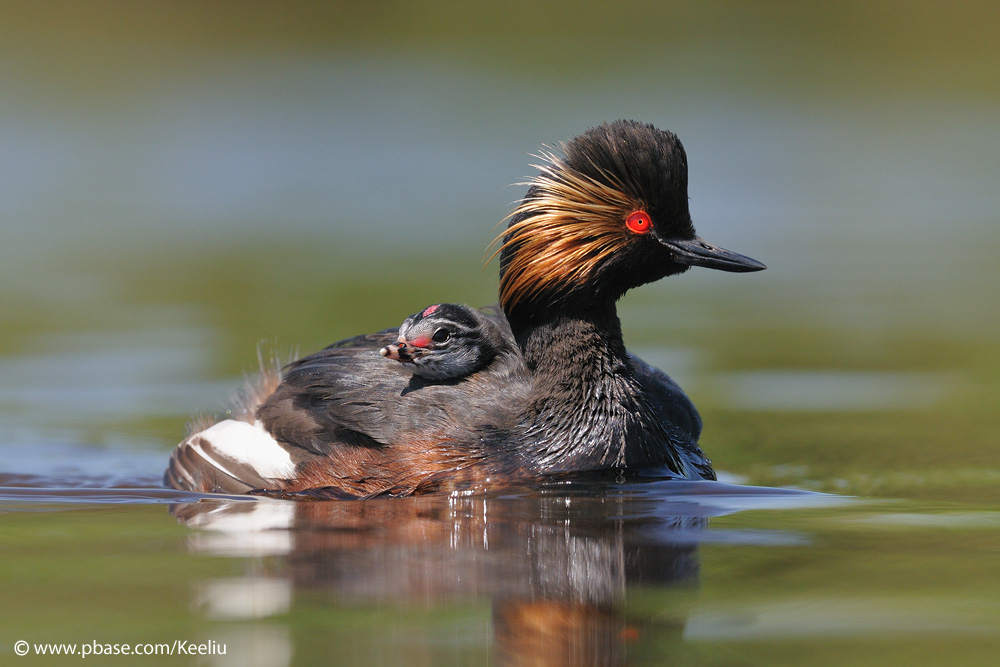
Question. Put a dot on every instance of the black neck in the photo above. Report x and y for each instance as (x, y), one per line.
(582, 350)
(586, 401)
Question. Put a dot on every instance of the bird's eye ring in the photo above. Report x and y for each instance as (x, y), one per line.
(441, 336)
(639, 222)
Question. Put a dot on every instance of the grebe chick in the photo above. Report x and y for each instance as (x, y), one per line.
(447, 341)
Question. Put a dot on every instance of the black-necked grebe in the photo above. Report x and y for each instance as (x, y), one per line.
(609, 215)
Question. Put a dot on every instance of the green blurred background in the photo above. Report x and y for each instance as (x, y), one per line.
(181, 180)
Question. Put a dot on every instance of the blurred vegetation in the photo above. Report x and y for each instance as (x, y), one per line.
(811, 48)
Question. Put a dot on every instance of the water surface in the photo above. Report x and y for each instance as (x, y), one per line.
(569, 573)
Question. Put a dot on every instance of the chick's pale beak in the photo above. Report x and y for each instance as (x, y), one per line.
(398, 351)
(698, 252)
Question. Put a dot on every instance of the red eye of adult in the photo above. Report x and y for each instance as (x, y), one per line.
(639, 222)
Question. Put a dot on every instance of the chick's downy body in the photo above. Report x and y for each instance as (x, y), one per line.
(447, 341)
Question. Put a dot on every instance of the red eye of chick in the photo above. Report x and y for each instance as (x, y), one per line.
(639, 222)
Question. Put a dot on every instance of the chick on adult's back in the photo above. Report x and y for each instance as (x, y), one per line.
(609, 215)
(447, 341)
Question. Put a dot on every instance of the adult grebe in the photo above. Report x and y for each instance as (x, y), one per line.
(609, 215)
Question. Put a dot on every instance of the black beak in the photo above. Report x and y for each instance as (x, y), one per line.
(698, 252)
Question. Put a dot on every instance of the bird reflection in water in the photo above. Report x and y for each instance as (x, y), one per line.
(555, 564)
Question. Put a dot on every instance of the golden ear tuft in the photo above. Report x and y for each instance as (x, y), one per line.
(570, 224)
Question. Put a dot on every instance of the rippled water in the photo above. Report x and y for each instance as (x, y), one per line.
(571, 573)
(180, 186)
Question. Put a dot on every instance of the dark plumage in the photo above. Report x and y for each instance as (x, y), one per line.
(564, 397)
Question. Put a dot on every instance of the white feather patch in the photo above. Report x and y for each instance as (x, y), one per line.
(230, 444)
